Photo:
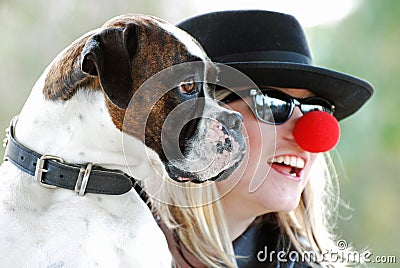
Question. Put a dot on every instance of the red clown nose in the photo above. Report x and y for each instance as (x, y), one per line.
(317, 132)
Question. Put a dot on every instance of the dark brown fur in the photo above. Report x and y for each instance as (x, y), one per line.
(65, 75)
(155, 50)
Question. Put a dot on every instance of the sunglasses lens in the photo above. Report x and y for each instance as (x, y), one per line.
(262, 109)
(272, 107)
(316, 104)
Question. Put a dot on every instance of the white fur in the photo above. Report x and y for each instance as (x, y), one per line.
(42, 227)
(192, 46)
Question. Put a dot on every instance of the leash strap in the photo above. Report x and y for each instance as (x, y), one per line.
(51, 172)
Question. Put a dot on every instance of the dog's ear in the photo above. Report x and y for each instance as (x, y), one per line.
(108, 55)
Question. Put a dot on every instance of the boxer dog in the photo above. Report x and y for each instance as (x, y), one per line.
(92, 125)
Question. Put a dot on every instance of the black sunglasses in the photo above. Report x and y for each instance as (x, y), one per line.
(272, 106)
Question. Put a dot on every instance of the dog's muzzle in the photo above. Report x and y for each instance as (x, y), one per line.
(214, 152)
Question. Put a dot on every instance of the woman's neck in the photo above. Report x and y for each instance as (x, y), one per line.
(237, 216)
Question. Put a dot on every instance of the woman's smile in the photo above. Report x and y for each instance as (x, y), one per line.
(289, 165)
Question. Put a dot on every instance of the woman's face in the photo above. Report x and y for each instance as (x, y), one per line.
(262, 183)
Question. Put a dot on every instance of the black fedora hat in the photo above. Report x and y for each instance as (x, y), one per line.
(271, 48)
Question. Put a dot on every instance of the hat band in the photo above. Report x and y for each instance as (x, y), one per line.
(280, 56)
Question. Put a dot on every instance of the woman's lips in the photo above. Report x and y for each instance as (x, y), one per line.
(289, 165)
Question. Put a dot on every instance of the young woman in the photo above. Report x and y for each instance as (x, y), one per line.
(275, 209)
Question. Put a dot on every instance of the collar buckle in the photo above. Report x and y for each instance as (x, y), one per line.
(53, 172)
(40, 169)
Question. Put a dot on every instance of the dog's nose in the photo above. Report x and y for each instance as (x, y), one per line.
(231, 119)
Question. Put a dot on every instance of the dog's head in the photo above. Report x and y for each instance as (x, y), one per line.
(155, 79)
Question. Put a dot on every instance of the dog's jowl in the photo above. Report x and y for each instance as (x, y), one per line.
(127, 100)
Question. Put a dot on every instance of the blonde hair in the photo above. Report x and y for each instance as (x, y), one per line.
(315, 217)
(195, 214)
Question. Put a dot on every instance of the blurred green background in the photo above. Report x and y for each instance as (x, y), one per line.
(365, 43)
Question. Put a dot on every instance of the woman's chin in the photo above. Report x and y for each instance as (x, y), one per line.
(287, 205)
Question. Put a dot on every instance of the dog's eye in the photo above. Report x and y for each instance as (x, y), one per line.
(188, 86)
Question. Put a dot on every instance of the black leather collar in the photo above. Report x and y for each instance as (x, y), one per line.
(52, 172)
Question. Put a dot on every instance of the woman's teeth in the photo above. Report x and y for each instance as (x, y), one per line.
(292, 161)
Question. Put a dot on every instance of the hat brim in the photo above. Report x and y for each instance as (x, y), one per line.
(348, 93)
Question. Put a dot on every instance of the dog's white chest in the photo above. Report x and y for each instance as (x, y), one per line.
(62, 229)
